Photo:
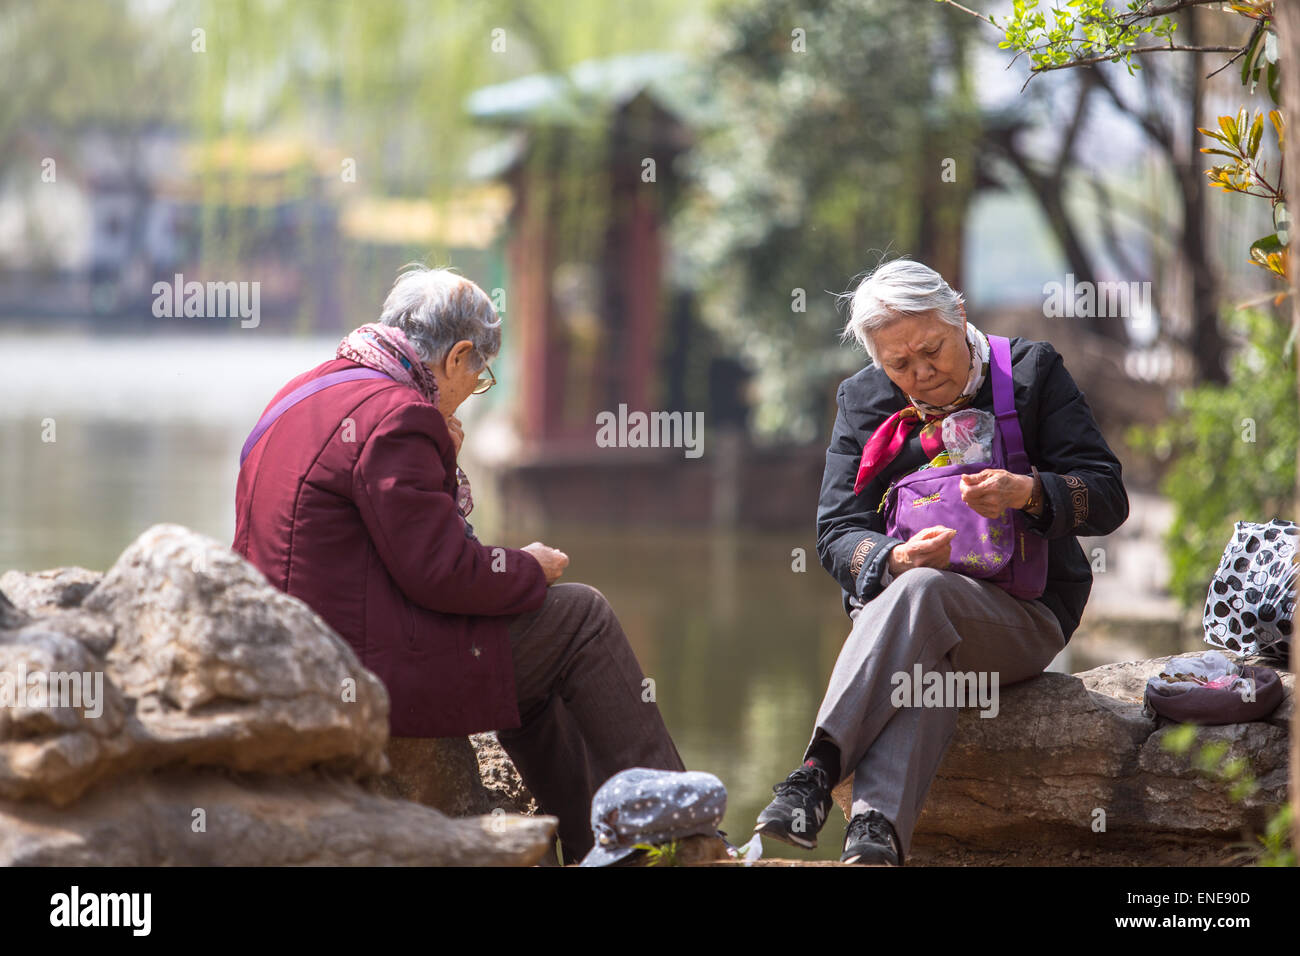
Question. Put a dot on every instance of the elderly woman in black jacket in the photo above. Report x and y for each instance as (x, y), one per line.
(908, 607)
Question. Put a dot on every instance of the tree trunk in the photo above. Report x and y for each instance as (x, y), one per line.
(1206, 340)
(1287, 20)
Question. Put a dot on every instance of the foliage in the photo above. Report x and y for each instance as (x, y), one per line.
(1239, 140)
(1091, 31)
(1233, 450)
(835, 118)
(664, 854)
(1274, 847)
(1087, 30)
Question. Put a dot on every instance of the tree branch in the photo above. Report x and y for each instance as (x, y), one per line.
(1106, 57)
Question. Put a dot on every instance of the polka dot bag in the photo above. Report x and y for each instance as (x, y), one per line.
(1251, 605)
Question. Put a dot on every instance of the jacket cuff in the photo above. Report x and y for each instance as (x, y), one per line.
(1065, 505)
(869, 562)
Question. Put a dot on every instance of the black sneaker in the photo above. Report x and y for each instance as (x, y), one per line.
(799, 810)
(870, 839)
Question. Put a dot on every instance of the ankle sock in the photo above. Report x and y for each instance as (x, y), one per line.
(826, 756)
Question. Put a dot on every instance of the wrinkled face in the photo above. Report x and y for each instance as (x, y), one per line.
(924, 356)
(457, 376)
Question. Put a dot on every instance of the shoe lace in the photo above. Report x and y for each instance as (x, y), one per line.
(875, 827)
(802, 781)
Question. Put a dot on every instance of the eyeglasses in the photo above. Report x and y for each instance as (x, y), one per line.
(485, 383)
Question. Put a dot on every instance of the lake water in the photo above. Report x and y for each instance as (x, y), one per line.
(148, 430)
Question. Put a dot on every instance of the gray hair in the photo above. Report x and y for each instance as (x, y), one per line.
(436, 308)
(896, 289)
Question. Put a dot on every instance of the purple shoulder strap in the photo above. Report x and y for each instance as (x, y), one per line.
(1004, 404)
(297, 395)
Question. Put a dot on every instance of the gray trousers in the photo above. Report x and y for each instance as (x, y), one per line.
(584, 709)
(946, 622)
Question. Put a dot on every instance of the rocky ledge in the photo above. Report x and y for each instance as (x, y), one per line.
(178, 709)
(1072, 770)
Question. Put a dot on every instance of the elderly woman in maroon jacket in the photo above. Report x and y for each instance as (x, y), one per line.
(352, 501)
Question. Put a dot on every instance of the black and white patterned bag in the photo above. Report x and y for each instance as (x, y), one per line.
(1251, 604)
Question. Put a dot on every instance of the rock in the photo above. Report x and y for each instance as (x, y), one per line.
(1064, 747)
(439, 772)
(194, 683)
(505, 787)
(36, 591)
(457, 775)
(260, 820)
(10, 616)
(219, 668)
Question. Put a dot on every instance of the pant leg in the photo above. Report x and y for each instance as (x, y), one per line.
(581, 705)
(945, 621)
(895, 774)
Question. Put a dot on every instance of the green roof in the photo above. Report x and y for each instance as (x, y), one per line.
(570, 97)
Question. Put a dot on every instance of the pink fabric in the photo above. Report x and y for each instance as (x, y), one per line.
(386, 349)
(889, 439)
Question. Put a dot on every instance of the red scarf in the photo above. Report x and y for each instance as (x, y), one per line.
(889, 439)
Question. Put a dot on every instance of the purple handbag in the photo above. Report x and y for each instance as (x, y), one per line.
(998, 550)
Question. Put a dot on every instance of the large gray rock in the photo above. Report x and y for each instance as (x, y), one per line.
(184, 657)
(49, 590)
(205, 818)
(201, 661)
(1062, 748)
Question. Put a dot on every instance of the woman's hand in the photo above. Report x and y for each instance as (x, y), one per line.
(553, 561)
(993, 490)
(457, 432)
(928, 548)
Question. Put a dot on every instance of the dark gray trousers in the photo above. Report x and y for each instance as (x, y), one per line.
(946, 622)
(584, 709)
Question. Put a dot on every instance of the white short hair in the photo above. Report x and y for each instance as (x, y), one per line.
(896, 289)
(437, 308)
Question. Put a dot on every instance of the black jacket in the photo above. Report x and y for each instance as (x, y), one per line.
(1081, 477)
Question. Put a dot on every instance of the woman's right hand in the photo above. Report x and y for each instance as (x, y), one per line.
(928, 548)
(553, 561)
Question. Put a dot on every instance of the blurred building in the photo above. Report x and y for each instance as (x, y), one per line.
(596, 323)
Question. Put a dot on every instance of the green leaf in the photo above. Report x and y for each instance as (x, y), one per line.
(1267, 244)
(1229, 127)
(1256, 131)
(1249, 57)
(1180, 739)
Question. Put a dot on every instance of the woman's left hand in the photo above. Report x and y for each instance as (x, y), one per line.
(993, 490)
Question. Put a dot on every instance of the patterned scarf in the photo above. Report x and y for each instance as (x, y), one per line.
(889, 439)
(386, 349)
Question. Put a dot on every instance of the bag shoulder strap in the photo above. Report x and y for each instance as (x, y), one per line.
(1004, 404)
(297, 395)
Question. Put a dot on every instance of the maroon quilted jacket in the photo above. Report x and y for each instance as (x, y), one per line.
(347, 502)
